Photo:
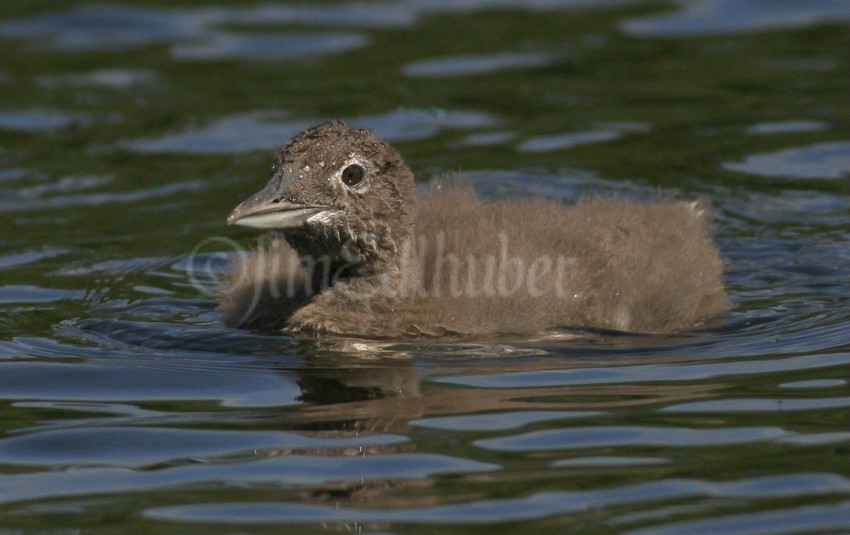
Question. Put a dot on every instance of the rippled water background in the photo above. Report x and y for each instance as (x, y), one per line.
(129, 130)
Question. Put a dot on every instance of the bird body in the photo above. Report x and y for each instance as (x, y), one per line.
(356, 253)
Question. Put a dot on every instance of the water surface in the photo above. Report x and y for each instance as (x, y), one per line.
(129, 130)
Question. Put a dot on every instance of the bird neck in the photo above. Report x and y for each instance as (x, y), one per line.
(378, 262)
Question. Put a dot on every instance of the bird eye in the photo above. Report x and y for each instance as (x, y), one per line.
(352, 175)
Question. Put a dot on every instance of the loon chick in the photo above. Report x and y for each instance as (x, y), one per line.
(354, 253)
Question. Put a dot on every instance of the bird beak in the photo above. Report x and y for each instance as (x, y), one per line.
(263, 210)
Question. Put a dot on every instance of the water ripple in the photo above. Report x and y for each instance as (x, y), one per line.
(495, 511)
(289, 470)
(760, 405)
(613, 436)
(40, 120)
(142, 381)
(268, 129)
(499, 421)
(475, 64)
(646, 373)
(95, 27)
(822, 160)
(138, 447)
(269, 46)
(15, 201)
(707, 17)
(805, 519)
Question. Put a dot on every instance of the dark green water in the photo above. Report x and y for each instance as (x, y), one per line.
(128, 131)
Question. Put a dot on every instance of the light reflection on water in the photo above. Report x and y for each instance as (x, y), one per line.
(265, 130)
(137, 129)
(823, 160)
(535, 506)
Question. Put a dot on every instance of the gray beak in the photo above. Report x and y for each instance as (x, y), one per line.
(264, 210)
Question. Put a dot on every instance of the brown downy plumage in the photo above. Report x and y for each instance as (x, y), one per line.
(355, 255)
